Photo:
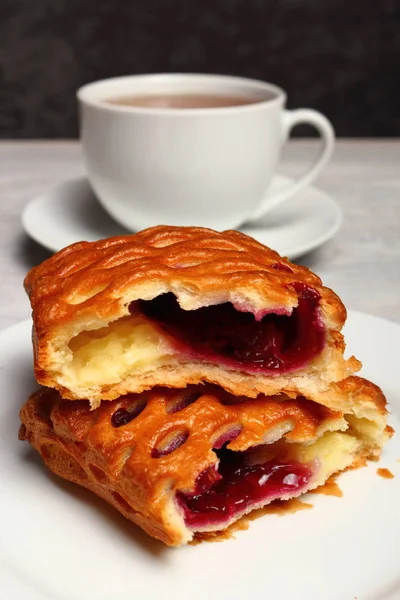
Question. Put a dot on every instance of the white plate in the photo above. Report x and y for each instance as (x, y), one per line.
(70, 213)
(58, 542)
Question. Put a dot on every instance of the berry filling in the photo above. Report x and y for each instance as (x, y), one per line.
(235, 487)
(275, 343)
(122, 416)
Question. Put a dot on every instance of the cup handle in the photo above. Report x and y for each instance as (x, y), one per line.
(325, 129)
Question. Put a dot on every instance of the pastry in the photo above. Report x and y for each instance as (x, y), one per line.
(179, 462)
(174, 306)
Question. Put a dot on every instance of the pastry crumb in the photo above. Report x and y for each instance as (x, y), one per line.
(385, 473)
(329, 488)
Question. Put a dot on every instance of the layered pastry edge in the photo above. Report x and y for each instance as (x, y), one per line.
(101, 361)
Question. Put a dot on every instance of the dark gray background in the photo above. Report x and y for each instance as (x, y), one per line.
(340, 57)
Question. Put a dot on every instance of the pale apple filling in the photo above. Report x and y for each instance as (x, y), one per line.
(334, 450)
(105, 356)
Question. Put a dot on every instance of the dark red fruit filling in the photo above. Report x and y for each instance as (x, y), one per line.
(227, 436)
(182, 402)
(282, 267)
(221, 495)
(277, 342)
(122, 416)
(173, 443)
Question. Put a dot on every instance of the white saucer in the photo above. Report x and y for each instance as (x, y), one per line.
(59, 542)
(70, 213)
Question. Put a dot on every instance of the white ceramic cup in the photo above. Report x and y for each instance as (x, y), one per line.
(190, 166)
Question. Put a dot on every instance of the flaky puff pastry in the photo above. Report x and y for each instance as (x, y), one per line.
(148, 454)
(92, 340)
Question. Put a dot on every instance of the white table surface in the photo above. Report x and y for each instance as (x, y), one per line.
(362, 263)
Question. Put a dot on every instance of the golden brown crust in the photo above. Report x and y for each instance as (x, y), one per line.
(88, 285)
(89, 278)
(355, 392)
(125, 465)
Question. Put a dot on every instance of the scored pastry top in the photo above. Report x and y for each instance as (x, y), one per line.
(171, 434)
(157, 423)
(199, 266)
